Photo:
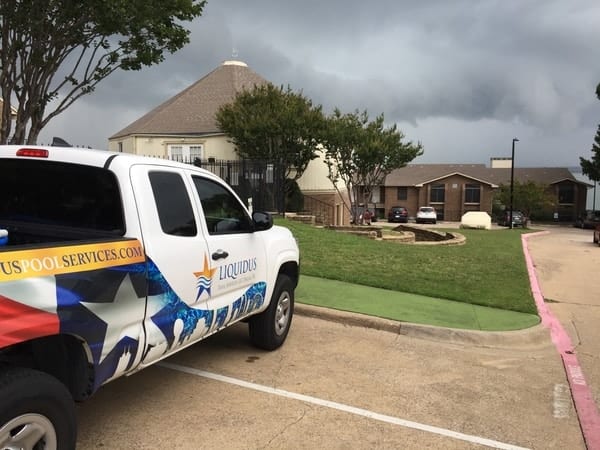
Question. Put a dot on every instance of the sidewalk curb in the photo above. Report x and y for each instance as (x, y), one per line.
(536, 336)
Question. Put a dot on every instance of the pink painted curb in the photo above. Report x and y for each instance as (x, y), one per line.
(587, 411)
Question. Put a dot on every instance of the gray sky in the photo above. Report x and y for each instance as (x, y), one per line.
(463, 77)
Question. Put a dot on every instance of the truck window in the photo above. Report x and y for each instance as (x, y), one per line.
(173, 204)
(61, 194)
(223, 212)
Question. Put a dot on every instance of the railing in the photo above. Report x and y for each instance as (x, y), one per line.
(323, 211)
(261, 181)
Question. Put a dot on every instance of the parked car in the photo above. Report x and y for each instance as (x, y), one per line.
(398, 214)
(426, 214)
(597, 235)
(588, 219)
(518, 219)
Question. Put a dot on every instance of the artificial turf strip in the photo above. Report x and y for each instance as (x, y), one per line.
(408, 307)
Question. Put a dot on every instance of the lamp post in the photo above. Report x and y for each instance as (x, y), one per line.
(512, 181)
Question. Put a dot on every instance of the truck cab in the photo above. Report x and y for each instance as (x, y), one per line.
(111, 262)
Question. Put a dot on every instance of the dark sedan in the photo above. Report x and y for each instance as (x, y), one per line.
(588, 219)
(518, 219)
(398, 214)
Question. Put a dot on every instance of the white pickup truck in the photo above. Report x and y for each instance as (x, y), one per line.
(110, 262)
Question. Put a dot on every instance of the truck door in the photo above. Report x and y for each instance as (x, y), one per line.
(237, 256)
(178, 260)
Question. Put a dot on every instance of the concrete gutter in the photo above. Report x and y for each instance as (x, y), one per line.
(537, 336)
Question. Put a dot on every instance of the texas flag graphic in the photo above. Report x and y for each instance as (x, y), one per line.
(14, 314)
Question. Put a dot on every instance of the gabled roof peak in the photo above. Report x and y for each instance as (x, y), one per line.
(192, 111)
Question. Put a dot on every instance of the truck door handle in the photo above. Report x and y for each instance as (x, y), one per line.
(219, 254)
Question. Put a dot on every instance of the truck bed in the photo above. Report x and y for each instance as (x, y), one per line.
(21, 233)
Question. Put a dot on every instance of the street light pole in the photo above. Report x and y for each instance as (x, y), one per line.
(594, 206)
(512, 180)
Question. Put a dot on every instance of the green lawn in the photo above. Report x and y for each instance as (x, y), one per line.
(405, 307)
(488, 270)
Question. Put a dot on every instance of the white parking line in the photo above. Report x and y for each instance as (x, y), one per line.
(562, 401)
(341, 407)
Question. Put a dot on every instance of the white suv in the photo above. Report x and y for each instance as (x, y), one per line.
(426, 214)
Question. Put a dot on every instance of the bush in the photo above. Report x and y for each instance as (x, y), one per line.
(294, 199)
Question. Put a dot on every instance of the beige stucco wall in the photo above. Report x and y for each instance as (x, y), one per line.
(13, 111)
(217, 147)
(315, 178)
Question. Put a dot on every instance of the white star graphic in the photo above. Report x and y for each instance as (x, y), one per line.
(124, 316)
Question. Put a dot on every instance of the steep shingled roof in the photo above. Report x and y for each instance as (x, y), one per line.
(192, 111)
(417, 174)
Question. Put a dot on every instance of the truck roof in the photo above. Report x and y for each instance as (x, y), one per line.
(92, 157)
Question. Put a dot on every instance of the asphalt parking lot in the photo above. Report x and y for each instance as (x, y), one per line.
(334, 385)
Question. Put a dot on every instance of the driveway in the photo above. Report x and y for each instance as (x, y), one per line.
(338, 384)
(567, 265)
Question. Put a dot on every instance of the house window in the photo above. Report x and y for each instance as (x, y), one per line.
(566, 194)
(195, 152)
(175, 152)
(437, 193)
(120, 144)
(185, 153)
(376, 195)
(402, 193)
(472, 193)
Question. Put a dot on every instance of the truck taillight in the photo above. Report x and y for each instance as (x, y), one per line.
(33, 152)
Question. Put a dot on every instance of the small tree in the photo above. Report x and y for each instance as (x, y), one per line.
(591, 167)
(273, 124)
(360, 153)
(59, 50)
(529, 197)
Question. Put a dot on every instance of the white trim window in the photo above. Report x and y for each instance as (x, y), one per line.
(185, 152)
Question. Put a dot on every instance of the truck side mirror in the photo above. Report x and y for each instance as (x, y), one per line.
(262, 220)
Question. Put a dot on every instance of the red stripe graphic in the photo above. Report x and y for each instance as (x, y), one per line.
(19, 322)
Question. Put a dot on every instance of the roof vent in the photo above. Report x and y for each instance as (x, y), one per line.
(234, 63)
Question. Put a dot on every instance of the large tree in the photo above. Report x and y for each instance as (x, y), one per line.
(54, 51)
(360, 153)
(529, 197)
(273, 124)
(591, 167)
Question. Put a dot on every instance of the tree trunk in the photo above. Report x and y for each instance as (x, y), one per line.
(19, 135)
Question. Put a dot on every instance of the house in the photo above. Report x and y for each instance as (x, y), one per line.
(13, 111)
(184, 128)
(454, 189)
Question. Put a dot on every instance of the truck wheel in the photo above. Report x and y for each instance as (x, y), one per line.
(36, 411)
(269, 329)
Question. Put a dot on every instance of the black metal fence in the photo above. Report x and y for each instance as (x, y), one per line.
(261, 181)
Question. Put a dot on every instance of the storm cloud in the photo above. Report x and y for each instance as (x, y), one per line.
(461, 77)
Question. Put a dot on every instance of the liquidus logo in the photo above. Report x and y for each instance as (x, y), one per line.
(231, 271)
(204, 278)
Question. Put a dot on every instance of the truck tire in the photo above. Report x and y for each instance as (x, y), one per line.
(36, 411)
(269, 329)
